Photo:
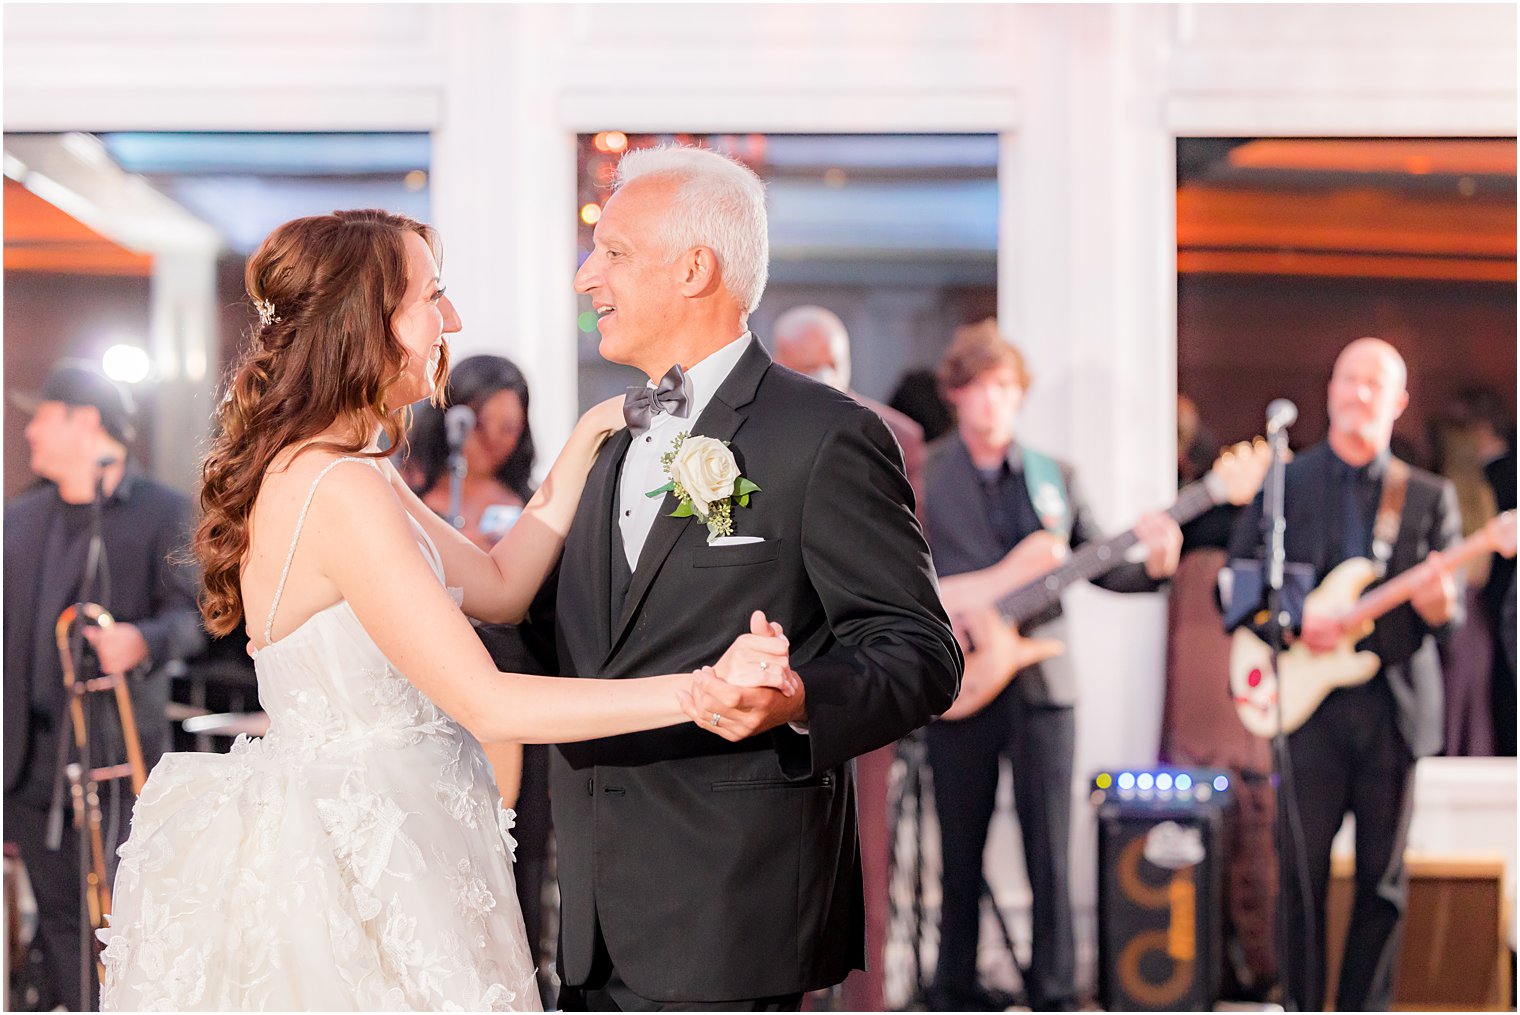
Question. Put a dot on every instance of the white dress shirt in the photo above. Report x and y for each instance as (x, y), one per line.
(642, 471)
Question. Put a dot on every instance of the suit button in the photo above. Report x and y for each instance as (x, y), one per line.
(590, 785)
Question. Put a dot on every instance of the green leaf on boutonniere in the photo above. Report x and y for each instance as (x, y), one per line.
(667, 488)
(684, 511)
(744, 500)
(743, 488)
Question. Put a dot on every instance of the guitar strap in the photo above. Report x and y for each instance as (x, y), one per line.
(1047, 491)
(1390, 515)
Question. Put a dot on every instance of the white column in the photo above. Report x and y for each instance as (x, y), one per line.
(1086, 289)
(184, 343)
(504, 198)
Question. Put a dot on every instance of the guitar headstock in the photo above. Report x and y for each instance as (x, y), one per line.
(1238, 472)
(1499, 533)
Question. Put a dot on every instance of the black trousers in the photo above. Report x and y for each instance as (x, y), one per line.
(532, 834)
(1040, 743)
(1348, 757)
(54, 878)
(605, 990)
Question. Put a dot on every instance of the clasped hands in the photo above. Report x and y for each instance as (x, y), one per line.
(751, 689)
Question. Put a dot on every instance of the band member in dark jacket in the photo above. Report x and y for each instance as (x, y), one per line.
(79, 420)
(1356, 752)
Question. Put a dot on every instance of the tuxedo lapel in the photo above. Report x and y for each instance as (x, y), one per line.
(721, 420)
(594, 561)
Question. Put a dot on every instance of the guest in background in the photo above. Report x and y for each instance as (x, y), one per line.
(917, 397)
(1466, 438)
(1493, 425)
(498, 451)
(812, 340)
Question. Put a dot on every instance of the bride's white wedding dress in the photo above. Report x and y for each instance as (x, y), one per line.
(355, 858)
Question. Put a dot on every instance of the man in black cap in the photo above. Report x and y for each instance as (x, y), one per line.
(80, 427)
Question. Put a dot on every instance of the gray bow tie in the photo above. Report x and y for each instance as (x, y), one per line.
(642, 403)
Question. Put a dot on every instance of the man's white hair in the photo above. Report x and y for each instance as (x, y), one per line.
(719, 204)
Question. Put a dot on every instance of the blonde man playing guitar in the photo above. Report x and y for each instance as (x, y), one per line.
(1356, 751)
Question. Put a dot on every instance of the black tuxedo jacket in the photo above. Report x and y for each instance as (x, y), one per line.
(1404, 642)
(723, 871)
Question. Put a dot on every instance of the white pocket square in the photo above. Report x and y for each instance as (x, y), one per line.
(736, 540)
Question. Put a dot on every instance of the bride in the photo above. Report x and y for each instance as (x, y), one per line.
(356, 857)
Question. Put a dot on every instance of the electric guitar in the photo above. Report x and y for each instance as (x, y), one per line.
(1036, 585)
(1304, 678)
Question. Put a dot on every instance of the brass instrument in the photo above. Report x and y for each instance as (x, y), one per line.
(84, 777)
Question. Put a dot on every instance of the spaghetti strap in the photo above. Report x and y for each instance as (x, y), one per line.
(295, 537)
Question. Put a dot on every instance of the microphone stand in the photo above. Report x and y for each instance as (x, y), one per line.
(457, 468)
(1289, 833)
(458, 421)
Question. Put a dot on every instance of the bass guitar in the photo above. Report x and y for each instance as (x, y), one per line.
(1030, 580)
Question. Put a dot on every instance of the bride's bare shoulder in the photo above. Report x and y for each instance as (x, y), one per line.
(309, 479)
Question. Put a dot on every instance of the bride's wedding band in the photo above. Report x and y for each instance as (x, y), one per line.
(715, 718)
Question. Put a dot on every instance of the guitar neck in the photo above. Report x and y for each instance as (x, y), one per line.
(1093, 560)
(1400, 589)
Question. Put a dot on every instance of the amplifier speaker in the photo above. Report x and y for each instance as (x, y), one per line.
(1160, 865)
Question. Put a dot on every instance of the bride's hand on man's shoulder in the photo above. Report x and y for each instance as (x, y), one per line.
(605, 418)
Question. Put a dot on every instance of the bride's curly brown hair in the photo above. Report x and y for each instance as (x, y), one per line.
(324, 352)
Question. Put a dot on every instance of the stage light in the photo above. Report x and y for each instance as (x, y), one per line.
(126, 363)
(591, 213)
(1104, 780)
(587, 321)
(1145, 780)
(1126, 780)
(415, 180)
(610, 141)
(1221, 783)
(1184, 782)
(1163, 782)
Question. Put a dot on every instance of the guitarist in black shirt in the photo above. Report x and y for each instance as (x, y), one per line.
(984, 494)
(1356, 751)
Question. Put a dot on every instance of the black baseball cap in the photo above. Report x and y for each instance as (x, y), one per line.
(77, 383)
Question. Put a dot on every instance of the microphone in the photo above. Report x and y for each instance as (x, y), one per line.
(1281, 413)
(458, 421)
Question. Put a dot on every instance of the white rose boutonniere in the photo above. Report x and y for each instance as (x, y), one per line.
(706, 480)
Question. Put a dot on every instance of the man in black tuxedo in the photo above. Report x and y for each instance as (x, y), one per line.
(79, 419)
(1356, 752)
(716, 866)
